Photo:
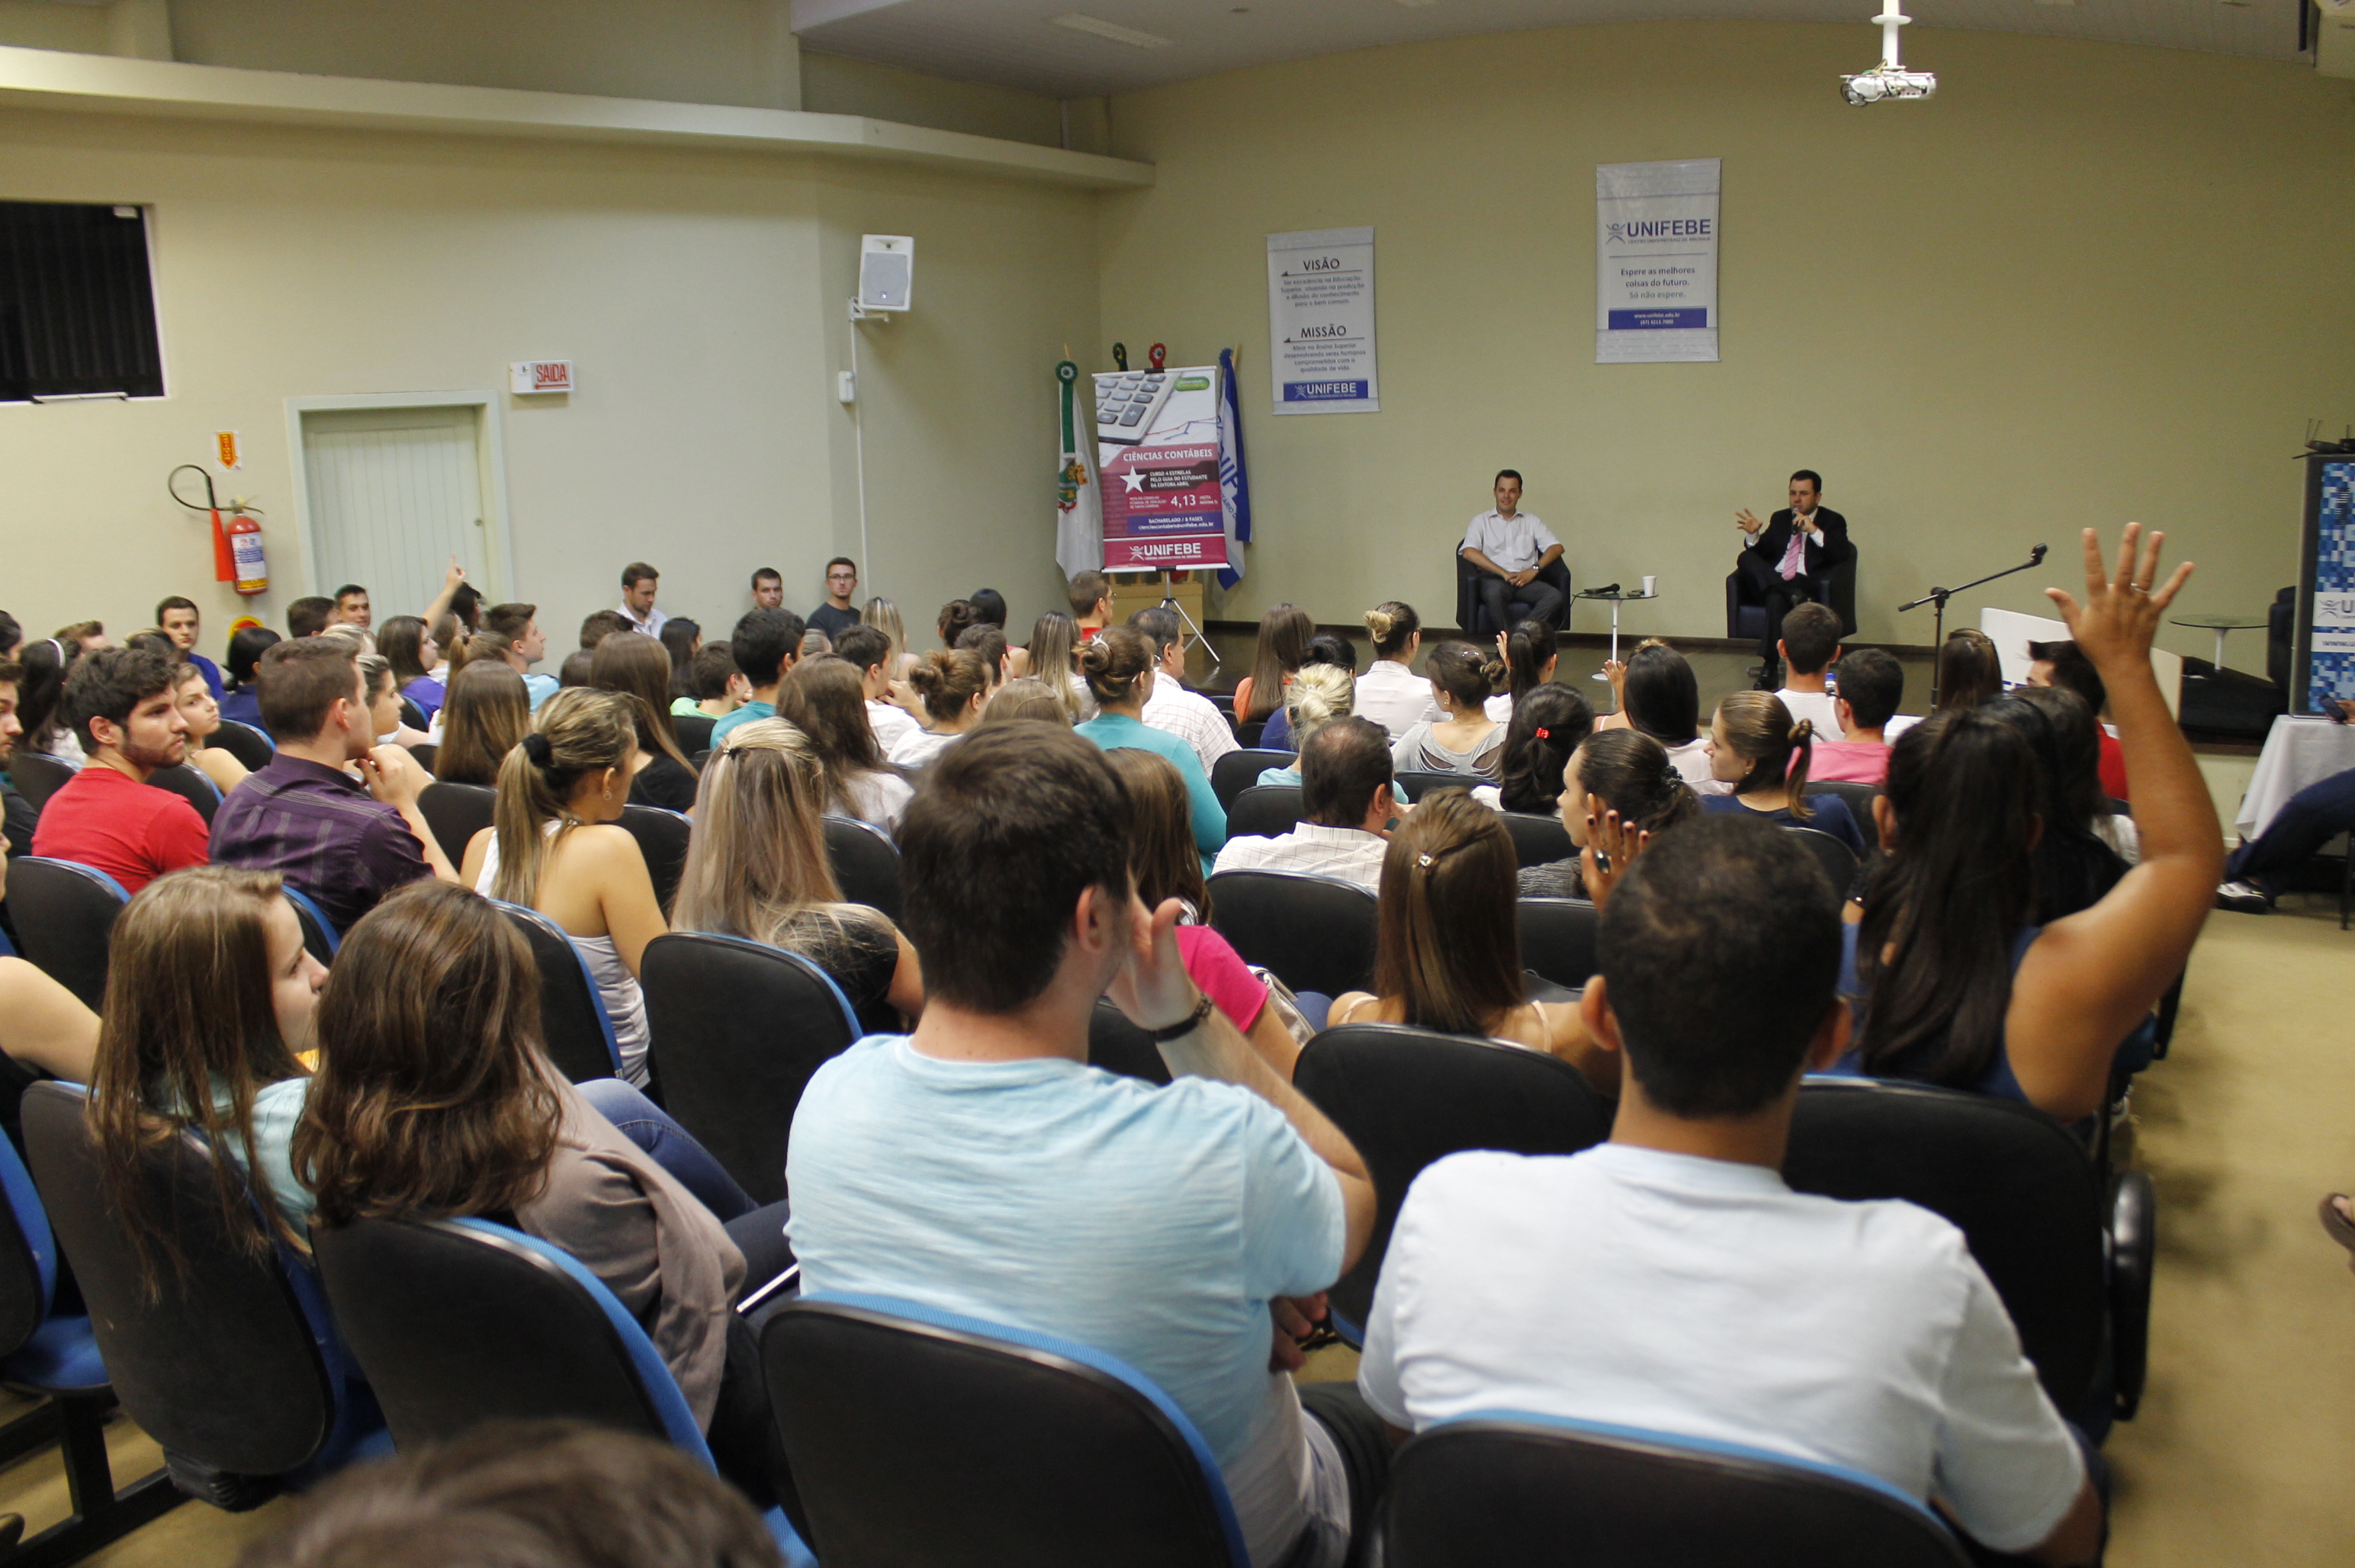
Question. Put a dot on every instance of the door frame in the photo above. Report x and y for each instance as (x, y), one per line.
(490, 479)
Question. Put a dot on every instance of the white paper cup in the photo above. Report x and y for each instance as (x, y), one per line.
(1648, 586)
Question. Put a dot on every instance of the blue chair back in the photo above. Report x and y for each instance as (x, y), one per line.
(1509, 1487)
(573, 1023)
(191, 784)
(319, 933)
(28, 1256)
(248, 743)
(65, 912)
(922, 1439)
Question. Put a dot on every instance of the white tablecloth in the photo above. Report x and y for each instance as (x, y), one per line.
(2298, 752)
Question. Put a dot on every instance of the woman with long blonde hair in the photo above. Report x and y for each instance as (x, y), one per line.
(1054, 659)
(757, 868)
(553, 845)
(884, 616)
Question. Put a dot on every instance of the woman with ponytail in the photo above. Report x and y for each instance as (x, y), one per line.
(1622, 771)
(1757, 750)
(1464, 739)
(1530, 653)
(1449, 954)
(1118, 668)
(1544, 731)
(553, 845)
(1390, 692)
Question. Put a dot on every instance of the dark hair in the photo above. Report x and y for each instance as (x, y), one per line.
(1341, 767)
(302, 680)
(990, 605)
(1008, 828)
(1504, 473)
(1811, 635)
(1527, 650)
(1161, 852)
(246, 646)
(1449, 949)
(2071, 671)
(1760, 731)
(635, 666)
(1720, 954)
(863, 645)
(524, 1494)
(107, 683)
(826, 698)
(1811, 476)
(1086, 590)
(955, 616)
(2075, 868)
(402, 641)
(1633, 774)
(1663, 699)
(1283, 634)
(1969, 670)
(989, 642)
(708, 676)
(155, 643)
(638, 571)
(599, 625)
(1463, 672)
(948, 681)
(764, 641)
(308, 617)
(165, 606)
(40, 702)
(1549, 724)
(1162, 624)
(1390, 623)
(1956, 882)
(841, 560)
(774, 575)
(11, 634)
(679, 638)
(485, 715)
(509, 623)
(466, 604)
(574, 670)
(346, 590)
(1331, 651)
(1872, 683)
(1113, 661)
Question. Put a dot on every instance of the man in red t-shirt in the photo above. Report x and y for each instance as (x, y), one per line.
(108, 817)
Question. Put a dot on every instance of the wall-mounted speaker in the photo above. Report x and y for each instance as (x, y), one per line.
(887, 271)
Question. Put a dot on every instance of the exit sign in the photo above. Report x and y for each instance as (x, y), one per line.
(530, 376)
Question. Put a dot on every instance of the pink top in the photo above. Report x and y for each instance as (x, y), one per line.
(1215, 967)
(1849, 761)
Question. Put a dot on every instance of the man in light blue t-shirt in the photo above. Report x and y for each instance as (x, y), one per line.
(764, 645)
(981, 1167)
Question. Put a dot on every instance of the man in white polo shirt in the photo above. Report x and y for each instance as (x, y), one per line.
(1510, 547)
(1669, 1280)
(1346, 807)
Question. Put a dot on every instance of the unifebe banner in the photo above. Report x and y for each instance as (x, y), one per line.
(1320, 322)
(1163, 509)
(1655, 230)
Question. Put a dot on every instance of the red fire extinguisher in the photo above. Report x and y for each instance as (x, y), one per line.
(237, 546)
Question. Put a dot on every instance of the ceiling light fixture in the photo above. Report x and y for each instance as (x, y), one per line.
(1080, 23)
(1890, 78)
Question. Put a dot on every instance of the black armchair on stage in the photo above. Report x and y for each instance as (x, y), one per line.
(1473, 616)
(1745, 613)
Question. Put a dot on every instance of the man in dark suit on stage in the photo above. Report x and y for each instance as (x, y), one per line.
(1785, 558)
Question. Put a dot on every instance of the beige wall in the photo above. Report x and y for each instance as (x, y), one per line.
(837, 84)
(2086, 282)
(703, 297)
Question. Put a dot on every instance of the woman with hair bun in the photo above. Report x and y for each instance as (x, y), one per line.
(1318, 695)
(952, 686)
(1757, 750)
(1464, 739)
(1118, 669)
(1622, 771)
(1390, 692)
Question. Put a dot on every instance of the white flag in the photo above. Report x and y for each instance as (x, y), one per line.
(1079, 500)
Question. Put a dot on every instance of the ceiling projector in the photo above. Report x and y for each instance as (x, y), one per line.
(1890, 78)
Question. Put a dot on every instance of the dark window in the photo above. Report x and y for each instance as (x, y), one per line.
(77, 303)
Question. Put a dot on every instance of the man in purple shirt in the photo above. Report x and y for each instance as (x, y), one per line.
(344, 843)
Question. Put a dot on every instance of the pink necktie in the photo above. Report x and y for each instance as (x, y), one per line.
(1794, 555)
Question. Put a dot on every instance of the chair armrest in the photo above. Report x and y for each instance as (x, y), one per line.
(2132, 1244)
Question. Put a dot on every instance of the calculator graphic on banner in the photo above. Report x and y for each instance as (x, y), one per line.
(1127, 403)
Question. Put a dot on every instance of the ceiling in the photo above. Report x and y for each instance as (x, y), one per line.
(1017, 44)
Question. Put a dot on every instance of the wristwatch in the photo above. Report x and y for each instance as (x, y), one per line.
(1191, 1023)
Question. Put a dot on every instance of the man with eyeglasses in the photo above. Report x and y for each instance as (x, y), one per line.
(837, 614)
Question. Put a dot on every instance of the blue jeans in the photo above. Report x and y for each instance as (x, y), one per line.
(2314, 816)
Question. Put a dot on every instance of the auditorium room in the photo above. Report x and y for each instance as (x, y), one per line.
(1310, 783)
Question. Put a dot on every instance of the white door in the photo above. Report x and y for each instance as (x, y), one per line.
(395, 493)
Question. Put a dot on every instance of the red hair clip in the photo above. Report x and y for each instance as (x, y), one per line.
(1545, 734)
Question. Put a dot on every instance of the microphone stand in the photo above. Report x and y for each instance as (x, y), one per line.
(1938, 596)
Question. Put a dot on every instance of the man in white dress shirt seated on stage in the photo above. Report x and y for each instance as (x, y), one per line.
(1510, 547)
(1344, 793)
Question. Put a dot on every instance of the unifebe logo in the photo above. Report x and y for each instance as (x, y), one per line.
(1659, 229)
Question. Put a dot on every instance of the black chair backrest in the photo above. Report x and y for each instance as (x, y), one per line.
(1248, 735)
(320, 937)
(1836, 859)
(921, 1445)
(456, 812)
(1538, 840)
(1413, 783)
(1239, 771)
(1263, 811)
(572, 1022)
(64, 914)
(1118, 1046)
(1558, 939)
(1485, 1491)
(412, 715)
(694, 732)
(427, 756)
(1858, 798)
(454, 1327)
(36, 778)
(2022, 1190)
(191, 785)
(865, 864)
(1316, 933)
(737, 1027)
(662, 838)
(246, 743)
(1406, 1097)
(221, 1366)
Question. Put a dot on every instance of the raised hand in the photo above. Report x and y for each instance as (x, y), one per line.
(1153, 987)
(2119, 617)
(1747, 521)
(1611, 848)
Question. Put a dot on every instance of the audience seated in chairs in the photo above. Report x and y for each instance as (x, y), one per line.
(1762, 753)
(1188, 715)
(766, 643)
(1318, 694)
(1053, 658)
(345, 841)
(555, 845)
(1118, 668)
(1810, 642)
(1450, 956)
(385, 720)
(201, 714)
(996, 656)
(1162, 859)
(1284, 634)
(1325, 651)
(2063, 663)
(1655, 692)
(634, 664)
(1345, 789)
(681, 640)
(436, 1100)
(952, 687)
(1548, 724)
(1025, 698)
(826, 698)
(40, 698)
(1961, 988)
(1969, 670)
(868, 651)
(1709, 1300)
(1871, 685)
(757, 868)
(1530, 653)
(1390, 692)
(120, 702)
(1464, 739)
(409, 646)
(487, 715)
(979, 1167)
(2076, 859)
(716, 687)
(1624, 771)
